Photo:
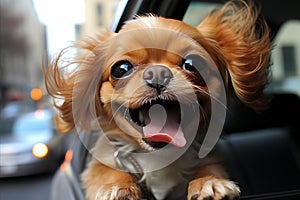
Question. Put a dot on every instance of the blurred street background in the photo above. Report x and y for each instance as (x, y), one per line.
(31, 33)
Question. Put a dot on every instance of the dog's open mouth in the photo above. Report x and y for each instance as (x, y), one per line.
(160, 122)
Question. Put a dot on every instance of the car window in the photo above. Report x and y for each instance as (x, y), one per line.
(29, 123)
(197, 11)
(32, 122)
(6, 125)
(285, 71)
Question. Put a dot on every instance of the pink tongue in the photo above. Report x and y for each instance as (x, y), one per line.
(162, 126)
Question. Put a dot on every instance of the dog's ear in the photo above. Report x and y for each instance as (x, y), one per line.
(68, 80)
(239, 32)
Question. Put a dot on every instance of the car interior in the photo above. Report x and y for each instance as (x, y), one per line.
(261, 150)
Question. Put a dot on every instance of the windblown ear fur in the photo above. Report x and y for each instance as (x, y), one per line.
(243, 38)
(61, 90)
(67, 80)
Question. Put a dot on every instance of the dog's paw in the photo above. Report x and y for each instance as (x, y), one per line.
(125, 191)
(209, 188)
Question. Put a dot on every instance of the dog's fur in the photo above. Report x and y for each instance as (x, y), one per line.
(235, 38)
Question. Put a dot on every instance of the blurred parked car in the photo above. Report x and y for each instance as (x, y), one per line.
(29, 144)
(14, 108)
(261, 150)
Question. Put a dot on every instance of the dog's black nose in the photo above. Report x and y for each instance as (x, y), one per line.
(157, 76)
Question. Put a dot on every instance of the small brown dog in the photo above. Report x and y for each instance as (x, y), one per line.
(143, 88)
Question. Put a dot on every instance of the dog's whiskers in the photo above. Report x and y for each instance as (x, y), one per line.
(201, 90)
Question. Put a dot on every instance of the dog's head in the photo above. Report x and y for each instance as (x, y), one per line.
(146, 83)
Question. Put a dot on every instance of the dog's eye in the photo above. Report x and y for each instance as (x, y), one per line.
(187, 65)
(193, 63)
(122, 69)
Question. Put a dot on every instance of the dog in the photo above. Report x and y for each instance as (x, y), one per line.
(151, 89)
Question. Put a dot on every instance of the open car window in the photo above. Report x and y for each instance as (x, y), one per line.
(285, 78)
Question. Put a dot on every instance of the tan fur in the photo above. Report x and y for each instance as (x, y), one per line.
(229, 36)
(122, 182)
(210, 186)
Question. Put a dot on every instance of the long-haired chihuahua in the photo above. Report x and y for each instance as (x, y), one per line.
(154, 94)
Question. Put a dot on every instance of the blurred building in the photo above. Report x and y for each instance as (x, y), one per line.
(98, 16)
(22, 47)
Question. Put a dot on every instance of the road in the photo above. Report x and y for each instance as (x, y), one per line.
(26, 188)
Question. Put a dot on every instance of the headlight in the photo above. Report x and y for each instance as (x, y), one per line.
(40, 150)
